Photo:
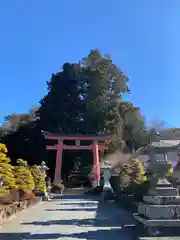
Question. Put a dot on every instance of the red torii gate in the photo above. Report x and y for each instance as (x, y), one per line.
(59, 147)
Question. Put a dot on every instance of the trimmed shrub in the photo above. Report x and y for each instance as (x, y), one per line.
(133, 184)
(39, 181)
(133, 173)
(23, 177)
(6, 172)
(57, 187)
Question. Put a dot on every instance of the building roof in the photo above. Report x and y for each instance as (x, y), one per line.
(170, 134)
(162, 146)
(165, 144)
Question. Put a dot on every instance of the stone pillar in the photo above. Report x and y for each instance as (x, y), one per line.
(107, 189)
(57, 175)
(107, 175)
(96, 163)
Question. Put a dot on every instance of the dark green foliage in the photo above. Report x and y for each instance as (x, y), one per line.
(23, 177)
(39, 181)
(57, 188)
(133, 173)
(104, 84)
(129, 197)
(6, 172)
(60, 108)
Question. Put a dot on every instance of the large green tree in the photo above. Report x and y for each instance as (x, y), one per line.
(133, 127)
(104, 86)
(102, 83)
(60, 108)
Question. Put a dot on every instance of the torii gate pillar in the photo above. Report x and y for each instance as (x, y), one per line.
(58, 167)
(96, 163)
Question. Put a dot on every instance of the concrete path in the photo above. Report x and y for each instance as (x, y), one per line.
(70, 217)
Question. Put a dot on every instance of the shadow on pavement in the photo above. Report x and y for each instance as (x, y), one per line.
(125, 233)
(90, 203)
(99, 234)
(118, 223)
(110, 215)
(111, 222)
(73, 222)
(71, 196)
(71, 209)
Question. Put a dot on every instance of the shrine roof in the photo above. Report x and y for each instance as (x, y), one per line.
(166, 144)
(88, 136)
(170, 134)
(162, 145)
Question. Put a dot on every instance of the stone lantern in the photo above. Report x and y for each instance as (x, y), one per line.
(161, 207)
(43, 168)
(106, 170)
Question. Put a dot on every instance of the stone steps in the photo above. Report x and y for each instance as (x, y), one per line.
(75, 191)
(159, 238)
(157, 222)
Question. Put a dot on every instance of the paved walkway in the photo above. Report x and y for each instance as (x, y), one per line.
(70, 217)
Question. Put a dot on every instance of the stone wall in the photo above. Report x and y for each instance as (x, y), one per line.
(7, 211)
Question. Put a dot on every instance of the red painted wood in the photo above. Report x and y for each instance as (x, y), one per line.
(58, 167)
(96, 163)
(65, 147)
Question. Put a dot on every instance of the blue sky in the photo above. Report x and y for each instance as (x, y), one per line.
(142, 37)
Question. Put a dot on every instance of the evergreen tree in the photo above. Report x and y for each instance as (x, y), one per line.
(39, 180)
(105, 83)
(133, 127)
(60, 108)
(6, 171)
(104, 86)
(23, 176)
